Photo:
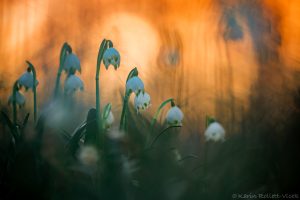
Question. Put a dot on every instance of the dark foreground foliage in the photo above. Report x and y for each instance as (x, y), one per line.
(257, 161)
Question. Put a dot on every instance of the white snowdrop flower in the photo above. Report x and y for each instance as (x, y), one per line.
(111, 57)
(215, 132)
(142, 101)
(109, 120)
(72, 84)
(20, 99)
(174, 116)
(26, 80)
(72, 63)
(88, 156)
(135, 84)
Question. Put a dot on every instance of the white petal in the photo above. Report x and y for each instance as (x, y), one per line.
(73, 83)
(135, 84)
(111, 57)
(26, 80)
(215, 132)
(72, 61)
(142, 101)
(106, 63)
(20, 99)
(174, 116)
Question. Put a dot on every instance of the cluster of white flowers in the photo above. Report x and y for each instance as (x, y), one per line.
(142, 99)
(26, 81)
(70, 66)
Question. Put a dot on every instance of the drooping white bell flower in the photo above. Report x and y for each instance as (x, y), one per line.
(72, 63)
(88, 156)
(109, 120)
(142, 101)
(215, 132)
(135, 84)
(20, 99)
(174, 116)
(26, 80)
(72, 84)
(111, 57)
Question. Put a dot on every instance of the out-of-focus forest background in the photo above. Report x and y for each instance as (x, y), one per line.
(237, 61)
(215, 57)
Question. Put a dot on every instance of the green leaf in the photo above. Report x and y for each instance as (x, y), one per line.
(106, 111)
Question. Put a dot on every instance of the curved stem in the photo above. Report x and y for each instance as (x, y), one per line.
(62, 58)
(14, 102)
(161, 133)
(99, 59)
(34, 90)
(132, 73)
(110, 44)
(163, 104)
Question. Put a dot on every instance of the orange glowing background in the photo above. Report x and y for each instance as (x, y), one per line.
(177, 45)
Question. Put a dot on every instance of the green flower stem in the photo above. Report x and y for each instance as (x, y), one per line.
(102, 49)
(123, 123)
(154, 119)
(62, 58)
(34, 90)
(106, 112)
(124, 109)
(14, 102)
(132, 73)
